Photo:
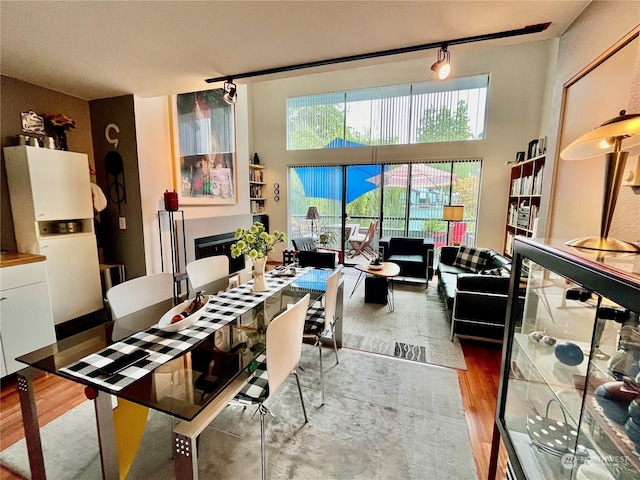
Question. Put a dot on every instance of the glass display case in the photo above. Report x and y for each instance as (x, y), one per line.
(569, 398)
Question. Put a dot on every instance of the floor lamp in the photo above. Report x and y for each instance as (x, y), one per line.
(452, 213)
(607, 140)
(313, 215)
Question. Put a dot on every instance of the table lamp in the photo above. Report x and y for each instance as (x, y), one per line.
(313, 215)
(452, 213)
(607, 139)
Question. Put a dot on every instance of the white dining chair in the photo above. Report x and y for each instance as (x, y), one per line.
(321, 320)
(139, 303)
(284, 349)
(209, 274)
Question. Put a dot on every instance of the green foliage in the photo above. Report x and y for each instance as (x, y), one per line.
(255, 241)
(435, 226)
(443, 125)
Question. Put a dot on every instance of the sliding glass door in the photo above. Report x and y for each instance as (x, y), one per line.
(406, 199)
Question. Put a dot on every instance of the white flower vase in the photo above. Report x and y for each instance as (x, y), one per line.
(259, 283)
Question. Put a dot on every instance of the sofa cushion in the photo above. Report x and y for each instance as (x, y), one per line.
(406, 258)
(472, 258)
(444, 268)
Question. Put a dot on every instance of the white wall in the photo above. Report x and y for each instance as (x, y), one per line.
(516, 95)
(156, 175)
(577, 201)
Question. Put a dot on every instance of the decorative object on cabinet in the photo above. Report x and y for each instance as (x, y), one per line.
(257, 186)
(32, 123)
(524, 200)
(204, 158)
(59, 124)
(607, 139)
(179, 275)
(593, 401)
(49, 189)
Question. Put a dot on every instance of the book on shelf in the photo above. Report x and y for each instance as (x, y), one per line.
(537, 182)
(508, 248)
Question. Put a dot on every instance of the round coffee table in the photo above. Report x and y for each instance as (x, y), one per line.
(389, 270)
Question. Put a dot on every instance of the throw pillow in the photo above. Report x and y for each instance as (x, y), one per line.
(472, 258)
(496, 272)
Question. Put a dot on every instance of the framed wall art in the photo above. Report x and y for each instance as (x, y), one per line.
(204, 154)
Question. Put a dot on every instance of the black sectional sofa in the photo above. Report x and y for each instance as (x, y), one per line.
(476, 303)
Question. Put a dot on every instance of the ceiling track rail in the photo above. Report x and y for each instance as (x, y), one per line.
(529, 29)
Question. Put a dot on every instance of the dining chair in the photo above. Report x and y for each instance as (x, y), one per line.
(136, 305)
(139, 303)
(284, 349)
(209, 274)
(321, 320)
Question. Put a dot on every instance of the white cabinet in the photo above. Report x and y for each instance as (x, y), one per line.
(25, 313)
(49, 189)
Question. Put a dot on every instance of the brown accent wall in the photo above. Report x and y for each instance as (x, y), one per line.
(17, 97)
(125, 247)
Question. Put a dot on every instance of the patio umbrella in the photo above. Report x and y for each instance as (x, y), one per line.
(422, 176)
(326, 182)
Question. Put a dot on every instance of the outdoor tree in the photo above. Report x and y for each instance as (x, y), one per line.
(444, 125)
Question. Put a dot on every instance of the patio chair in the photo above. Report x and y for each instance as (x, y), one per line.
(362, 242)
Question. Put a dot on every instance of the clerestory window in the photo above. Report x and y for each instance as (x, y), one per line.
(449, 111)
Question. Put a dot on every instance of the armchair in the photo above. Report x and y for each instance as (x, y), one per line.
(414, 256)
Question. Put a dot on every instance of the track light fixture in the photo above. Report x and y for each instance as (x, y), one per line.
(230, 92)
(443, 63)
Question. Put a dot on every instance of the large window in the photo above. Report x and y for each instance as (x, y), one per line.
(397, 115)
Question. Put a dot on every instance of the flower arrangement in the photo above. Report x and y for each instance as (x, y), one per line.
(255, 241)
(59, 121)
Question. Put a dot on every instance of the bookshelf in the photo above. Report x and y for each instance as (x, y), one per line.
(257, 189)
(525, 192)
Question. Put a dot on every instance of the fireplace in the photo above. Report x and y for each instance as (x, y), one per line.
(219, 245)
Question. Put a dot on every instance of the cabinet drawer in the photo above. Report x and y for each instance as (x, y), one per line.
(20, 275)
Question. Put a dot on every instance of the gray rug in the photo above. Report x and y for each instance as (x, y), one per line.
(382, 420)
(417, 329)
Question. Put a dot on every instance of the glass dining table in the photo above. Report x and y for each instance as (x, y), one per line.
(191, 375)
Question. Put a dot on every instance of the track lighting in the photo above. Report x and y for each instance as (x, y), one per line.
(529, 29)
(230, 92)
(443, 65)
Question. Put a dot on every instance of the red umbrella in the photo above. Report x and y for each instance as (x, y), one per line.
(422, 176)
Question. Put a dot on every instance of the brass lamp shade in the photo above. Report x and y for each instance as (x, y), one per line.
(607, 139)
(453, 213)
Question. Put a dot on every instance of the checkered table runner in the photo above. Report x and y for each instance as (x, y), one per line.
(165, 346)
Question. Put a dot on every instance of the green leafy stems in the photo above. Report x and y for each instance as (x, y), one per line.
(255, 241)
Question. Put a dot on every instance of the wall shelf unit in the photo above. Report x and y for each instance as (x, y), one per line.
(525, 193)
(257, 189)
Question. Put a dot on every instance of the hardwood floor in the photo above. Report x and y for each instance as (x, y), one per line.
(478, 384)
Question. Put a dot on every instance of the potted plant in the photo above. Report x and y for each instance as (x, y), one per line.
(327, 236)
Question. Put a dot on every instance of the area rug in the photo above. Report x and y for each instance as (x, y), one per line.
(382, 420)
(417, 329)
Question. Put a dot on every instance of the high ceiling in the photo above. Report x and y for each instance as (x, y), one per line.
(100, 49)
